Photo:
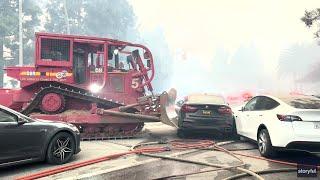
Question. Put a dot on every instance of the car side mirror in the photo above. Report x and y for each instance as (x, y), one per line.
(21, 121)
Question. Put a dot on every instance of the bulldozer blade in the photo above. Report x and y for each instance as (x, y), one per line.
(168, 114)
(167, 110)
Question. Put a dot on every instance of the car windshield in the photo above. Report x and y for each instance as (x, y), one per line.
(302, 102)
(206, 99)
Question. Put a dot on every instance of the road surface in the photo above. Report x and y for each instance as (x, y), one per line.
(141, 167)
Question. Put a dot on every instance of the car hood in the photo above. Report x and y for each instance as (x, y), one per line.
(46, 121)
(51, 123)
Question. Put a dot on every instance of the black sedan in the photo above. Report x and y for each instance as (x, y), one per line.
(204, 113)
(25, 140)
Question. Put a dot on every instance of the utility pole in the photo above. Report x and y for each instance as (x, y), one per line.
(20, 35)
(67, 17)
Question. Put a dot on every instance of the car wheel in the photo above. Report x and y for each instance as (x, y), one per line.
(61, 148)
(264, 144)
(234, 133)
(181, 133)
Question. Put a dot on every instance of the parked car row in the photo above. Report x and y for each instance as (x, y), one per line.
(284, 122)
(275, 122)
(25, 140)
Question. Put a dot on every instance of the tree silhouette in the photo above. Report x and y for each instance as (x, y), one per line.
(312, 18)
(114, 19)
(9, 31)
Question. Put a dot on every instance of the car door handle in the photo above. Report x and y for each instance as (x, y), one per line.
(260, 115)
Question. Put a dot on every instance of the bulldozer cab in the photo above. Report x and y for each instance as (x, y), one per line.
(87, 61)
(83, 60)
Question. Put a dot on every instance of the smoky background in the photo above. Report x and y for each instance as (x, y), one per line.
(201, 63)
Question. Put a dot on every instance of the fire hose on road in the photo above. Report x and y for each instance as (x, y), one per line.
(176, 145)
(193, 145)
(182, 145)
(86, 163)
(234, 154)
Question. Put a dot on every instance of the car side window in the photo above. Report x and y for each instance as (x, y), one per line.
(266, 103)
(250, 106)
(6, 116)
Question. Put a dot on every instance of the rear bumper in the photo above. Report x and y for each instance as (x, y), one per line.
(313, 147)
(291, 141)
(207, 130)
(199, 125)
(283, 135)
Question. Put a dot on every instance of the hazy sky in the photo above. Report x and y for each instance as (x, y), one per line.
(198, 26)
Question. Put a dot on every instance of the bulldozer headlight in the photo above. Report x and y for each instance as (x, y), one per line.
(95, 88)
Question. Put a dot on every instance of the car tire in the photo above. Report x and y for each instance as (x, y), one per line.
(264, 144)
(234, 133)
(61, 148)
(181, 133)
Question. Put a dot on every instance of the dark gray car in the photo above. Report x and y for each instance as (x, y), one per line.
(23, 139)
(204, 113)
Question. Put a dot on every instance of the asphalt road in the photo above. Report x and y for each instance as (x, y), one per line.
(156, 132)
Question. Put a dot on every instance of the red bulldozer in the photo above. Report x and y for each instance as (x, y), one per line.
(101, 85)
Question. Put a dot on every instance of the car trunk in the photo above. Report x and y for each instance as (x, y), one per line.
(310, 124)
(207, 115)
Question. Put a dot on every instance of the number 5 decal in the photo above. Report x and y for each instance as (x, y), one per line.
(135, 83)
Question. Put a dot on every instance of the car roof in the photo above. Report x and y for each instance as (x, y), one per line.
(204, 98)
(283, 95)
(279, 97)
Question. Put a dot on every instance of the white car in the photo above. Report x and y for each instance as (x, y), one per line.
(289, 122)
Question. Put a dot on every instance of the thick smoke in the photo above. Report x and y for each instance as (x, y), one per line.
(200, 53)
(243, 70)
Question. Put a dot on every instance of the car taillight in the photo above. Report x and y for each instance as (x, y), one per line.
(225, 110)
(288, 118)
(188, 109)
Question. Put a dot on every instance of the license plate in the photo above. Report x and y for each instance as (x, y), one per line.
(316, 125)
(206, 112)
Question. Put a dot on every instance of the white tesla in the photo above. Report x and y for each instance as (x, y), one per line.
(289, 122)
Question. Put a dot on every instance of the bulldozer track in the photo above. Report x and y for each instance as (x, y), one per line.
(69, 92)
(78, 93)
